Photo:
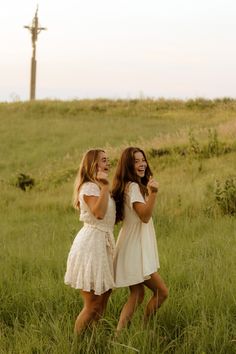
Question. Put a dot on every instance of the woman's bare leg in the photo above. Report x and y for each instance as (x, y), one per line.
(90, 312)
(135, 298)
(160, 294)
(105, 298)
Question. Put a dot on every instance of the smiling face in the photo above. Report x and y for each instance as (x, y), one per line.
(140, 164)
(103, 162)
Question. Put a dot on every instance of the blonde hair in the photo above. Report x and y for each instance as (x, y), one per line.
(86, 173)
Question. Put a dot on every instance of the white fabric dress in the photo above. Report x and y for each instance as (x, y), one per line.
(90, 260)
(136, 254)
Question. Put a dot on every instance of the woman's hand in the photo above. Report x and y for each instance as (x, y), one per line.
(152, 185)
(102, 178)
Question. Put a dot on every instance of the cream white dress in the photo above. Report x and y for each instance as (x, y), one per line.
(136, 253)
(90, 260)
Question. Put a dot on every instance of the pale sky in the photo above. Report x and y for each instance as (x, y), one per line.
(120, 49)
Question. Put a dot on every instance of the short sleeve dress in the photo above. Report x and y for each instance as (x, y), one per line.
(90, 260)
(136, 254)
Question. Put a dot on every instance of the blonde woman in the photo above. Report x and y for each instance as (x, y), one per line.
(89, 263)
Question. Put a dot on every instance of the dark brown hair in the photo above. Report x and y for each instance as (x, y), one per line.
(125, 172)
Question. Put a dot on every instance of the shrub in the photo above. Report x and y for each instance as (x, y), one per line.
(159, 152)
(194, 145)
(225, 195)
(24, 181)
(213, 147)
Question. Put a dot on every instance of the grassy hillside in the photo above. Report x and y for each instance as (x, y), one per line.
(191, 147)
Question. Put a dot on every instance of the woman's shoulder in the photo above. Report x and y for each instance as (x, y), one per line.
(90, 183)
(133, 192)
(132, 186)
(90, 188)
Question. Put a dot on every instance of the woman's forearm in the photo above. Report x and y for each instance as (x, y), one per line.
(144, 211)
(98, 205)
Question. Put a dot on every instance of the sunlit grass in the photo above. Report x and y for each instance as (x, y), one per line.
(197, 249)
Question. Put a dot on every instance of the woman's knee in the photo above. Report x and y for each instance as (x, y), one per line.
(95, 307)
(141, 295)
(159, 287)
(163, 293)
(138, 293)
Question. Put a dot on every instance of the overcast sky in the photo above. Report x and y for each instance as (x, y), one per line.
(120, 49)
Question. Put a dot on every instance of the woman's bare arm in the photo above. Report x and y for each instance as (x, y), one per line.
(144, 210)
(98, 205)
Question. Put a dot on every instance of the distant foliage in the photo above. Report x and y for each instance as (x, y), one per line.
(225, 195)
(213, 147)
(200, 103)
(24, 182)
(194, 145)
(98, 108)
(159, 152)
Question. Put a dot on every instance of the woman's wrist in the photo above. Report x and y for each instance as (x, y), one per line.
(104, 187)
(153, 190)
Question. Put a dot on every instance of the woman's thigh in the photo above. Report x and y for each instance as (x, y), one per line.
(90, 298)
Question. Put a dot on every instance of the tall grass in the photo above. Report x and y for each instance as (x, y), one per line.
(197, 248)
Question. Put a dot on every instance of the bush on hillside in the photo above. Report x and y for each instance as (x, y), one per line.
(24, 182)
(225, 195)
(213, 147)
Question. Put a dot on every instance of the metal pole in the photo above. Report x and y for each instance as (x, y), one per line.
(33, 78)
(34, 30)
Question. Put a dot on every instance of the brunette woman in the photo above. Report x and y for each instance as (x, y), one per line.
(136, 256)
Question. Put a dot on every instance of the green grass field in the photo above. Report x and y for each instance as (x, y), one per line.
(191, 147)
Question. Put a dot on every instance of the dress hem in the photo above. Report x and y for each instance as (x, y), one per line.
(135, 282)
(89, 290)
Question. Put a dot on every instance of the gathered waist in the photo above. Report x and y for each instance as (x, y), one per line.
(108, 233)
(99, 227)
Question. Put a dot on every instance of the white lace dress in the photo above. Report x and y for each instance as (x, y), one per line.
(136, 254)
(90, 260)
